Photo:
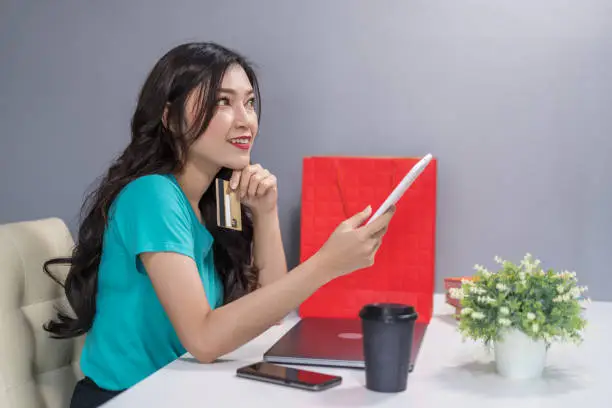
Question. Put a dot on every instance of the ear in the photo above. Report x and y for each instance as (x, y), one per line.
(165, 122)
(165, 116)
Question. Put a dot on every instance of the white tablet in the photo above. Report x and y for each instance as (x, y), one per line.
(401, 188)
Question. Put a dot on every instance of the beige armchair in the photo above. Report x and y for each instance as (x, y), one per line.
(36, 371)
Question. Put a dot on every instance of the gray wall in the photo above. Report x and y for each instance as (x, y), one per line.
(513, 97)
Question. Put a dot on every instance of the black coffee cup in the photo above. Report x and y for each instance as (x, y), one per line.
(387, 343)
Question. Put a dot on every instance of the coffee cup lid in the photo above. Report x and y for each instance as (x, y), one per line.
(388, 312)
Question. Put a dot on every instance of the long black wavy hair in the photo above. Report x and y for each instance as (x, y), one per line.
(155, 149)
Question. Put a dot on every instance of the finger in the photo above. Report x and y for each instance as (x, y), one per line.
(359, 218)
(380, 233)
(371, 260)
(373, 245)
(254, 183)
(380, 223)
(266, 184)
(249, 173)
(245, 179)
(235, 179)
(259, 176)
(265, 174)
(378, 244)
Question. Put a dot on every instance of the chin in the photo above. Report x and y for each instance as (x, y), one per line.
(238, 163)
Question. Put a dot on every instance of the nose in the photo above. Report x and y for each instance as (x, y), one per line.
(241, 117)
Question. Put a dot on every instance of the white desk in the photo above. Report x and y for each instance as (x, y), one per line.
(448, 373)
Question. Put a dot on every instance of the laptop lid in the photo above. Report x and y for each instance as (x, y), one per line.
(331, 342)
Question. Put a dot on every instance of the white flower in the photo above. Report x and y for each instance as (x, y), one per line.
(535, 327)
(504, 310)
(563, 298)
(476, 290)
(478, 315)
(560, 288)
(501, 287)
(466, 311)
(574, 292)
(498, 259)
(504, 321)
(482, 270)
(522, 277)
(531, 316)
(485, 299)
(456, 293)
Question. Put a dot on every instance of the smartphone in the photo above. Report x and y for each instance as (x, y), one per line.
(401, 188)
(290, 377)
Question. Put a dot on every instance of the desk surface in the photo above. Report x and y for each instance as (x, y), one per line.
(448, 373)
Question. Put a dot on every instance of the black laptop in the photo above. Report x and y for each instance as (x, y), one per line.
(333, 342)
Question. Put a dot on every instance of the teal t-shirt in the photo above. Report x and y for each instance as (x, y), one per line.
(132, 336)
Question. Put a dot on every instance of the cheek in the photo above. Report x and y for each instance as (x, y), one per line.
(254, 124)
(219, 126)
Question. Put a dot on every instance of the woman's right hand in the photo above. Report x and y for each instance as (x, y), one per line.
(352, 246)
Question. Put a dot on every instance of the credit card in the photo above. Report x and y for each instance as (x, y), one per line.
(229, 208)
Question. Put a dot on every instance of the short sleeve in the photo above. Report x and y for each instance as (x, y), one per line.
(151, 215)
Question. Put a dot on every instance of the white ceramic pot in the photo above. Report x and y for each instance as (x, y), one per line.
(517, 356)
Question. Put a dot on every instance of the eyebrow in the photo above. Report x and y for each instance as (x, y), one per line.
(233, 92)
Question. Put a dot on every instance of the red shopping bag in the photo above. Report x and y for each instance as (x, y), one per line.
(335, 188)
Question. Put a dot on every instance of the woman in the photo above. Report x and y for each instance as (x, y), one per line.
(152, 275)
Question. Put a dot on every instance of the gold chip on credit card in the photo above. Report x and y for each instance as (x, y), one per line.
(229, 209)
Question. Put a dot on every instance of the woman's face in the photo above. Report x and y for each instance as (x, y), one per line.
(230, 134)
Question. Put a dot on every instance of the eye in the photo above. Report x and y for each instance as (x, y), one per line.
(223, 101)
(251, 102)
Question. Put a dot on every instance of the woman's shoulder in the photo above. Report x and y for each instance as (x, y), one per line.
(152, 184)
(152, 190)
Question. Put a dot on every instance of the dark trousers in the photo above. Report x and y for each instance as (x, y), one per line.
(87, 394)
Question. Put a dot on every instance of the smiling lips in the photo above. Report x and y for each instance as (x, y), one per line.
(242, 142)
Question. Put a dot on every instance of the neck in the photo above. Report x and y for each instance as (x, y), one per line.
(194, 180)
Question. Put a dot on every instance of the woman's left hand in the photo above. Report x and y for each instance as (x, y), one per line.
(256, 187)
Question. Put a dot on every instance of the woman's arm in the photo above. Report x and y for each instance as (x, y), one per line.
(268, 252)
(257, 188)
(208, 334)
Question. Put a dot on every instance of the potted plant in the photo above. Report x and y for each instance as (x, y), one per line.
(520, 310)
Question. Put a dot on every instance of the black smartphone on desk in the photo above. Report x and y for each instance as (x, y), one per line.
(290, 377)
